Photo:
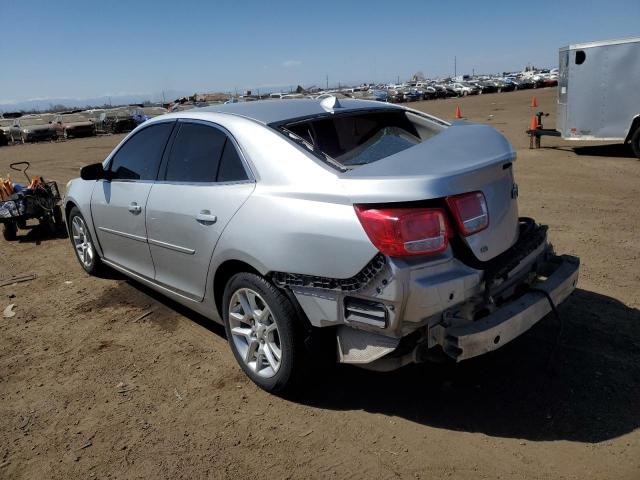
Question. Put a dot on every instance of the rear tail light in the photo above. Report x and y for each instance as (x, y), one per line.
(470, 212)
(405, 231)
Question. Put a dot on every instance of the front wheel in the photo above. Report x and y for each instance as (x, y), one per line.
(83, 243)
(635, 142)
(264, 332)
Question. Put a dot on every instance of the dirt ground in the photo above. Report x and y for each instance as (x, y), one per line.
(89, 389)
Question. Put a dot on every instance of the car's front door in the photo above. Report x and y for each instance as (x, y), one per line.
(118, 204)
(200, 187)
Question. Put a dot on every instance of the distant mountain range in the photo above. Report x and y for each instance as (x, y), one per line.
(46, 103)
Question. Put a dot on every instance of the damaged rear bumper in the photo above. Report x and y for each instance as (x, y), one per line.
(557, 277)
(513, 318)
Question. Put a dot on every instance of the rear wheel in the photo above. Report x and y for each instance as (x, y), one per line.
(264, 332)
(635, 142)
(83, 243)
(10, 231)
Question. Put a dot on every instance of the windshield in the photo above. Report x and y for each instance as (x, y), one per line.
(26, 122)
(366, 137)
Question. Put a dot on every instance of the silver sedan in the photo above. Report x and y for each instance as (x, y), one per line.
(358, 231)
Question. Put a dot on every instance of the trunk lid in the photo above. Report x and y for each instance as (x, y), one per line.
(462, 158)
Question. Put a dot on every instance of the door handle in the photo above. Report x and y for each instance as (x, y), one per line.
(135, 208)
(205, 218)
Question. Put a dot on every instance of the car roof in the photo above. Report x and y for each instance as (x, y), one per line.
(275, 111)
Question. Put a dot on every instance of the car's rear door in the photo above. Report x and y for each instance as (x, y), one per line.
(202, 184)
(118, 205)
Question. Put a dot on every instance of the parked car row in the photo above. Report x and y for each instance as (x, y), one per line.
(52, 126)
(414, 91)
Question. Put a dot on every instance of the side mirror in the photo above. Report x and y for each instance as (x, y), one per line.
(95, 171)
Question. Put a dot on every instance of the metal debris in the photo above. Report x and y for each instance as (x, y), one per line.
(8, 312)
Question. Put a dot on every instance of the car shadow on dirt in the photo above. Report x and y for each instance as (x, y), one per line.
(585, 388)
(589, 392)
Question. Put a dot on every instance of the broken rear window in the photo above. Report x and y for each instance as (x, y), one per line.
(359, 138)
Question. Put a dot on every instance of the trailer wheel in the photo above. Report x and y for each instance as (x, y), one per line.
(10, 231)
(58, 221)
(635, 142)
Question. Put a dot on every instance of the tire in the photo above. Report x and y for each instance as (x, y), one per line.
(58, 219)
(54, 221)
(635, 142)
(10, 231)
(253, 337)
(82, 243)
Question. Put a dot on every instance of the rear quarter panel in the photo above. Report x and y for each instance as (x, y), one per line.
(298, 219)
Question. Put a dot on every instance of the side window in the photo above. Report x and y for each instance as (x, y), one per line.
(195, 154)
(231, 168)
(140, 157)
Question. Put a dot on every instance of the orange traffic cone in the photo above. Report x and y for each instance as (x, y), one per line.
(534, 123)
(534, 102)
(458, 112)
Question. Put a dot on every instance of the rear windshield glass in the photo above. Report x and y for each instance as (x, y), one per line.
(357, 139)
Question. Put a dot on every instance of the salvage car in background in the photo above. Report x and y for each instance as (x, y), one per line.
(393, 233)
(32, 129)
(117, 120)
(5, 130)
(141, 115)
(73, 125)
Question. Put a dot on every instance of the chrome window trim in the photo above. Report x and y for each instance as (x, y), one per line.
(109, 159)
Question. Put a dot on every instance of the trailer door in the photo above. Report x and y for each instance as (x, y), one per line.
(563, 91)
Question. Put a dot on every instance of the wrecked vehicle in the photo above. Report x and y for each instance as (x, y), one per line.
(73, 125)
(5, 130)
(32, 129)
(143, 114)
(117, 120)
(367, 231)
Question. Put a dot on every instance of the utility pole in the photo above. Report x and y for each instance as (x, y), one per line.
(327, 81)
(455, 67)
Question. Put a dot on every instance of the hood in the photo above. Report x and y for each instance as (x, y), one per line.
(462, 158)
(36, 128)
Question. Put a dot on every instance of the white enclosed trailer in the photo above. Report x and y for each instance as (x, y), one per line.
(599, 91)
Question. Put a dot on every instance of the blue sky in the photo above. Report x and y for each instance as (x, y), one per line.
(82, 49)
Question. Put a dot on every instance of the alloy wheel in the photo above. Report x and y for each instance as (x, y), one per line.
(82, 242)
(255, 332)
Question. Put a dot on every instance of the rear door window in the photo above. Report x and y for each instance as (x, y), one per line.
(231, 168)
(139, 158)
(195, 155)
